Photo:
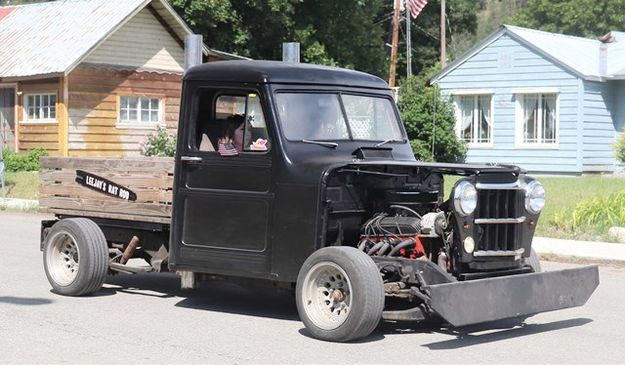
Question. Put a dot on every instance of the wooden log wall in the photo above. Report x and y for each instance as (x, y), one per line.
(94, 93)
(150, 178)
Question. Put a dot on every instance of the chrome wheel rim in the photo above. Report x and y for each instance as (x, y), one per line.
(62, 258)
(327, 295)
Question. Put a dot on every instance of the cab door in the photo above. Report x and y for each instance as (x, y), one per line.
(225, 195)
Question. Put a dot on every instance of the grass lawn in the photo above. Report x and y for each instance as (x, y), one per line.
(563, 194)
(21, 185)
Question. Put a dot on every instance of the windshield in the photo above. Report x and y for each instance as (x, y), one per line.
(320, 117)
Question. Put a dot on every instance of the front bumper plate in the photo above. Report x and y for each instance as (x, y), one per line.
(469, 302)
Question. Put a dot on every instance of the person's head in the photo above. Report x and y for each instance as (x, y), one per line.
(231, 124)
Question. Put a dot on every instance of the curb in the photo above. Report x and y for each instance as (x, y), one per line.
(603, 251)
(23, 205)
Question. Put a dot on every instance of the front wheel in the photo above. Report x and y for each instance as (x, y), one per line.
(340, 294)
(75, 257)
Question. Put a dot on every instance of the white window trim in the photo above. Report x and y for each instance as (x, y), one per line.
(475, 145)
(469, 92)
(536, 90)
(25, 119)
(518, 119)
(138, 125)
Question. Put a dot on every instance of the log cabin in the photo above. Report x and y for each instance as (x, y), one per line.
(90, 77)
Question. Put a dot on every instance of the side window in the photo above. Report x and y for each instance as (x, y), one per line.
(230, 124)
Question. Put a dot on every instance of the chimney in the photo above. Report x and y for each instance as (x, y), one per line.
(603, 53)
(290, 52)
(192, 50)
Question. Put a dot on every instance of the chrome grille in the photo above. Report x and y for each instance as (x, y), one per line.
(497, 216)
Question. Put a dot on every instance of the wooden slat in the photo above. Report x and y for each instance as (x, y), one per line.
(39, 137)
(76, 191)
(131, 181)
(108, 206)
(93, 113)
(81, 120)
(131, 141)
(104, 153)
(105, 146)
(84, 129)
(91, 97)
(133, 165)
(47, 145)
(39, 128)
(95, 214)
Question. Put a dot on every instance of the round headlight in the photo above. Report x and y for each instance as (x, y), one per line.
(469, 245)
(465, 198)
(534, 197)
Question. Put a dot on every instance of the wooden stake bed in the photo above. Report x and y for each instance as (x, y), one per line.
(150, 178)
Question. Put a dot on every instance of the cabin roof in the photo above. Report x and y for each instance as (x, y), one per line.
(49, 39)
(265, 72)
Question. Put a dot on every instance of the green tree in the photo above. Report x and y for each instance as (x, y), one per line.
(330, 32)
(429, 119)
(584, 18)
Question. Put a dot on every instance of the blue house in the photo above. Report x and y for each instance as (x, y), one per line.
(550, 103)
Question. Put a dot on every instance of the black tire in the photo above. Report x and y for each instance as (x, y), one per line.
(534, 261)
(91, 252)
(366, 297)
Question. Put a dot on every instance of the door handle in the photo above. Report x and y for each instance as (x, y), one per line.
(191, 158)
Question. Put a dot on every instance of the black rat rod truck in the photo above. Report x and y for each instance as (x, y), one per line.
(303, 175)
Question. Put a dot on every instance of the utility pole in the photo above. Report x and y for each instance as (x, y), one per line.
(395, 41)
(408, 45)
(443, 35)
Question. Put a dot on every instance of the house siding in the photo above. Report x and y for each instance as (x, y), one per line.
(94, 93)
(502, 66)
(141, 42)
(599, 126)
(37, 135)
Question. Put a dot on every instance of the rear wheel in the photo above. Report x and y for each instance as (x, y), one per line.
(75, 257)
(340, 294)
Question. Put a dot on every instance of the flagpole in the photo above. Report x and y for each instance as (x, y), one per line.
(395, 41)
(443, 35)
(408, 45)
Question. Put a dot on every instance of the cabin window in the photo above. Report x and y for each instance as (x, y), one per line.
(537, 119)
(40, 107)
(231, 124)
(475, 119)
(337, 117)
(139, 110)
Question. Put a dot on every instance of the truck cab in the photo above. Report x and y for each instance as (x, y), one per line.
(303, 175)
(226, 206)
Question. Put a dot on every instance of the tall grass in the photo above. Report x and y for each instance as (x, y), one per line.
(595, 214)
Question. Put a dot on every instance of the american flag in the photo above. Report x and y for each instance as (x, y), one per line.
(227, 149)
(415, 6)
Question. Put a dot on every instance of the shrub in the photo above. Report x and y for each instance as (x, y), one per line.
(425, 115)
(619, 148)
(14, 162)
(159, 144)
(598, 214)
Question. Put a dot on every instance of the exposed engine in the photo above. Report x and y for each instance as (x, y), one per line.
(404, 234)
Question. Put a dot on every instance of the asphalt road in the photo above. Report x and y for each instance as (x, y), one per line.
(147, 319)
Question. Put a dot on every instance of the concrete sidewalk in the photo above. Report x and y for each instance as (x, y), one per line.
(19, 204)
(582, 249)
